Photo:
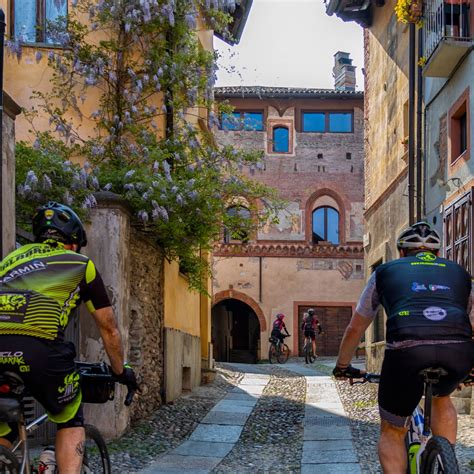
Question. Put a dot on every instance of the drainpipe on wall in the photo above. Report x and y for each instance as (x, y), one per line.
(419, 123)
(2, 39)
(411, 125)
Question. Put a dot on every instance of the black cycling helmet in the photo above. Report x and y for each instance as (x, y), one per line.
(58, 217)
(311, 311)
(419, 236)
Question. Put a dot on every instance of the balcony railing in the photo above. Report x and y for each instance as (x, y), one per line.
(446, 23)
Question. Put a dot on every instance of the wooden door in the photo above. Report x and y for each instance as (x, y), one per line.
(334, 320)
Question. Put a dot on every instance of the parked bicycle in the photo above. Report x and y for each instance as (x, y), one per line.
(278, 351)
(427, 454)
(309, 355)
(97, 386)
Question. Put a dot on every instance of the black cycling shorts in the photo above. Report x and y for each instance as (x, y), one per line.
(310, 333)
(401, 387)
(49, 373)
(276, 333)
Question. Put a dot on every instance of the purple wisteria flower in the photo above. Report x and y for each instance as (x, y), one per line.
(143, 216)
(31, 179)
(108, 187)
(129, 174)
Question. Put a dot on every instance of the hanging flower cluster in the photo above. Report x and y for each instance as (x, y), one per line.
(150, 141)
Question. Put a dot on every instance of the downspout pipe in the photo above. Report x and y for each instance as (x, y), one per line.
(411, 125)
(420, 156)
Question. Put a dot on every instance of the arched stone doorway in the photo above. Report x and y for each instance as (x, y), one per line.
(235, 332)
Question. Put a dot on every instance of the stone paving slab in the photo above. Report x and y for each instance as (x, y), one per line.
(321, 397)
(241, 396)
(327, 445)
(328, 457)
(321, 432)
(225, 418)
(330, 420)
(203, 448)
(174, 463)
(236, 406)
(342, 468)
(327, 411)
(249, 389)
(220, 433)
(254, 382)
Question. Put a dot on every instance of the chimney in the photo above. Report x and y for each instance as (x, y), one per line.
(343, 72)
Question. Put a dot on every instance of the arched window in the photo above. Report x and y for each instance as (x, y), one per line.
(326, 225)
(281, 140)
(238, 218)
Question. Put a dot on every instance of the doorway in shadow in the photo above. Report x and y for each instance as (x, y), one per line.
(235, 332)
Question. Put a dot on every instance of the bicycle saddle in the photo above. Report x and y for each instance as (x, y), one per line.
(432, 374)
(11, 388)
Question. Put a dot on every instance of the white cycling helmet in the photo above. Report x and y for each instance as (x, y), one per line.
(419, 236)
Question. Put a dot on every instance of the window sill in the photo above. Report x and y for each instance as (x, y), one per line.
(462, 158)
(42, 46)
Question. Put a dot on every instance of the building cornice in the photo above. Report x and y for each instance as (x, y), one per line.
(289, 250)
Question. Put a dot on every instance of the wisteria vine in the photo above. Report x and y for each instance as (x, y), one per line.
(140, 64)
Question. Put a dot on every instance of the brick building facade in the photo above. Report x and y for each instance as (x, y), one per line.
(313, 256)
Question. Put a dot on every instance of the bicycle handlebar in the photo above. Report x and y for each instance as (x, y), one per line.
(101, 370)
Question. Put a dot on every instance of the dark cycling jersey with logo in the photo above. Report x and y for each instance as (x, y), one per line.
(40, 284)
(278, 324)
(425, 297)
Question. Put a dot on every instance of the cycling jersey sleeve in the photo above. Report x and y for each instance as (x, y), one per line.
(92, 289)
(369, 300)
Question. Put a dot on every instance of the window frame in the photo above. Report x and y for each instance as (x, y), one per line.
(242, 112)
(327, 113)
(460, 109)
(227, 237)
(453, 242)
(326, 225)
(40, 24)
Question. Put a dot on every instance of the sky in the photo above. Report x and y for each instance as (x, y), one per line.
(289, 43)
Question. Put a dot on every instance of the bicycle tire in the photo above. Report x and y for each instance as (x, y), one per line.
(96, 458)
(8, 462)
(284, 353)
(272, 354)
(439, 457)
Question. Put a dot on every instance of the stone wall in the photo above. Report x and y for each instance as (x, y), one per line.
(132, 269)
(146, 322)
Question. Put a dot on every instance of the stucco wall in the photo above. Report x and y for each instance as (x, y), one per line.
(287, 281)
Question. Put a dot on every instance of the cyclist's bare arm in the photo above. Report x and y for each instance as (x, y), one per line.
(351, 339)
(110, 334)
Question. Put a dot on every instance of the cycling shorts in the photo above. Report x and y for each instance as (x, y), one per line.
(49, 373)
(401, 387)
(310, 333)
(276, 333)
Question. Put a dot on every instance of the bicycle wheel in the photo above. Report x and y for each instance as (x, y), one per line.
(8, 462)
(96, 457)
(439, 457)
(284, 353)
(272, 354)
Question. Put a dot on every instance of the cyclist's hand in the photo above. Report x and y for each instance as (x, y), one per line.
(348, 372)
(320, 330)
(129, 379)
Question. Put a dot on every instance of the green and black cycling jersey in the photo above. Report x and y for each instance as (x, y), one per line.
(40, 284)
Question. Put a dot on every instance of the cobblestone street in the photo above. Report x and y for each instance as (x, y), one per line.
(266, 418)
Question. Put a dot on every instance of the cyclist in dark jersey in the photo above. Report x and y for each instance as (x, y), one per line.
(427, 300)
(278, 327)
(40, 284)
(309, 325)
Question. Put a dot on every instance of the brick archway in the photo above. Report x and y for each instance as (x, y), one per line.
(237, 295)
(309, 213)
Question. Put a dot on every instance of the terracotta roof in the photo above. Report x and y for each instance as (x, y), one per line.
(285, 92)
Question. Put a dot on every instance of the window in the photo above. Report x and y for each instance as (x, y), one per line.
(459, 128)
(314, 122)
(332, 122)
(237, 220)
(281, 140)
(326, 225)
(457, 231)
(31, 18)
(242, 120)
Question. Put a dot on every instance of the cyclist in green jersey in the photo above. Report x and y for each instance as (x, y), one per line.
(40, 284)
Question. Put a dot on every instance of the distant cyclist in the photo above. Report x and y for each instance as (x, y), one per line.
(429, 324)
(308, 326)
(278, 327)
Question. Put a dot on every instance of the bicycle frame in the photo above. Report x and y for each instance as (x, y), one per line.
(24, 430)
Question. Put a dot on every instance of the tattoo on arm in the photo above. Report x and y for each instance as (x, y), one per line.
(80, 448)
